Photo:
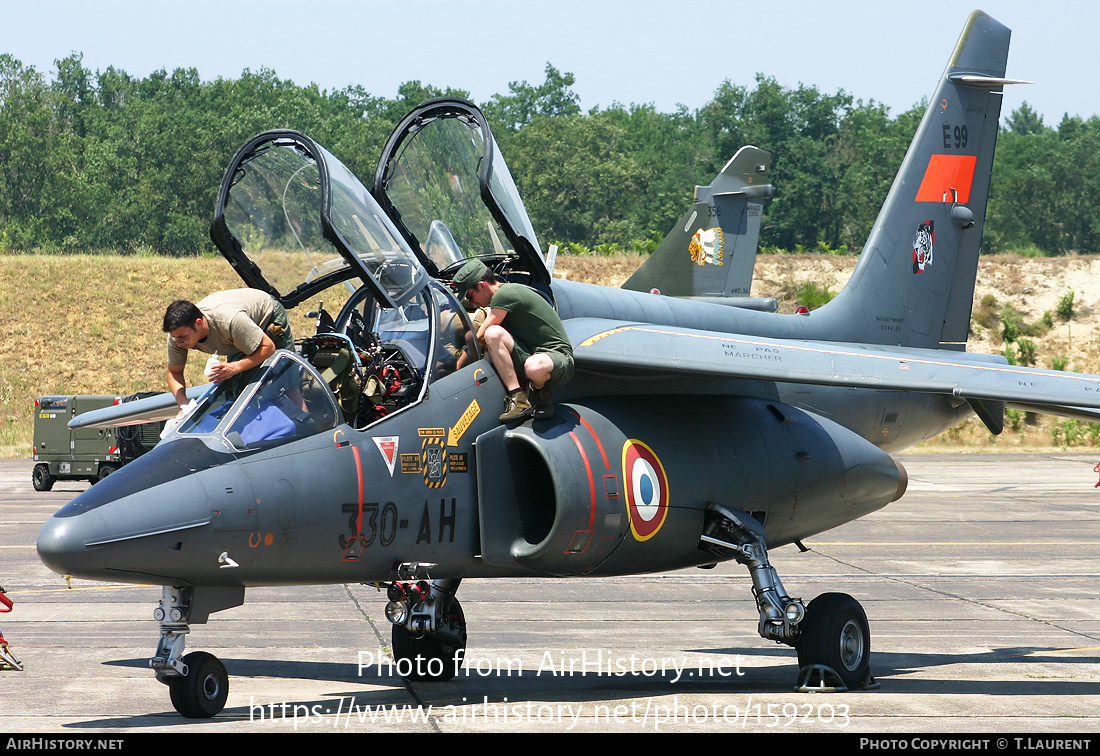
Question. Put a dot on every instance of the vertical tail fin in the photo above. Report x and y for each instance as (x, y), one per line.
(914, 282)
(712, 250)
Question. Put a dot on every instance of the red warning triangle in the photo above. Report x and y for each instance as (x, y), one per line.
(387, 445)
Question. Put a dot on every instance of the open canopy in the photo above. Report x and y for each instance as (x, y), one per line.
(293, 221)
(447, 188)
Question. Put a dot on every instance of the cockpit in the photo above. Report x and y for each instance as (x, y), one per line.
(377, 362)
(296, 223)
(288, 400)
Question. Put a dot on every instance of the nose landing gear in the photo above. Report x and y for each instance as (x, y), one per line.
(197, 683)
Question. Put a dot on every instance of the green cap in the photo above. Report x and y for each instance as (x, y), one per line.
(468, 275)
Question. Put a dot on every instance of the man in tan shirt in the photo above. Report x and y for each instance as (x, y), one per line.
(245, 326)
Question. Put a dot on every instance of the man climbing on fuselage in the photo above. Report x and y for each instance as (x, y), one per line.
(524, 338)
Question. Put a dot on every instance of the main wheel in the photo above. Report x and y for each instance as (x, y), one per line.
(835, 633)
(428, 657)
(203, 692)
(41, 477)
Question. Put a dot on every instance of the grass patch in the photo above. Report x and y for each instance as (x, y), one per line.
(808, 294)
(89, 324)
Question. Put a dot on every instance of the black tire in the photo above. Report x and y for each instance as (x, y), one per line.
(835, 633)
(41, 477)
(202, 694)
(105, 470)
(431, 658)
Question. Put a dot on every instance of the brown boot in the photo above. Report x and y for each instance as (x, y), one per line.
(516, 407)
(542, 402)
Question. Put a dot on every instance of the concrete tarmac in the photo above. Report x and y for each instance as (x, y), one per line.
(981, 586)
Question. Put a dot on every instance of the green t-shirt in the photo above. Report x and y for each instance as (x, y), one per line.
(531, 320)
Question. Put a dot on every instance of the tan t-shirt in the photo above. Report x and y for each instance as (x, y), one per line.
(236, 318)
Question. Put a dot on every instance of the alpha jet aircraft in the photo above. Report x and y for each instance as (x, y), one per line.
(693, 432)
(710, 254)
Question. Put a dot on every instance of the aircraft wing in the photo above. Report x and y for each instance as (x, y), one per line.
(603, 345)
(159, 407)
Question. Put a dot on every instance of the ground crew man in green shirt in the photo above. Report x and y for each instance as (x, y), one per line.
(523, 337)
(245, 326)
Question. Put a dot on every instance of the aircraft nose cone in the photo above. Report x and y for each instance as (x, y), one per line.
(61, 545)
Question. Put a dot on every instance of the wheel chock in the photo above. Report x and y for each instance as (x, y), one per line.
(828, 681)
(8, 660)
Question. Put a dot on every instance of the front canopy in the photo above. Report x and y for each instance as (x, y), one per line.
(286, 401)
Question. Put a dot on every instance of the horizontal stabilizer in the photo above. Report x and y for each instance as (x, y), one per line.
(986, 82)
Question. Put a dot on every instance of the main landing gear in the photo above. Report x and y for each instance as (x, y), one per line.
(429, 628)
(198, 683)
(831, 634)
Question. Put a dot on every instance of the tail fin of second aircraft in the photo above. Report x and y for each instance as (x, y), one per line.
(914, 283)
(712, 250)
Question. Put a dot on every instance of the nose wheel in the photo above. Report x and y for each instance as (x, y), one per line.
(203, 691)
(198, 683)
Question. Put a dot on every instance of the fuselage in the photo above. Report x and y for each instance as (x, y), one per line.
(346, 505)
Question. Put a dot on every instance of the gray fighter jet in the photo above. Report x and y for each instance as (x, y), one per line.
(693, 432)
(710, 254)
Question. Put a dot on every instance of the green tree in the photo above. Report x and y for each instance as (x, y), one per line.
(573, 175)
(1024, 120)
(512, 112)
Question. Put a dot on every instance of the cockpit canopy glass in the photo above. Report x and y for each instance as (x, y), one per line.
(451, 191)
(274, 212)
(286, 401)
(434, 181)
(293, 219)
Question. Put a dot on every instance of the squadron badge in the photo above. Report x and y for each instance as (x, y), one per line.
(706, 246)
(923, 242)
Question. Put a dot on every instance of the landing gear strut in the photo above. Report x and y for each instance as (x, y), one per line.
(429, 627)
(198, 683)
(831, 635)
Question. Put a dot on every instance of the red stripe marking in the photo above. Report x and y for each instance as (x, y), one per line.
(591, 482)
(359, 472)
(946, 172)
(595, 438)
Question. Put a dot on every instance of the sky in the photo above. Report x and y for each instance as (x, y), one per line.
(661, 52)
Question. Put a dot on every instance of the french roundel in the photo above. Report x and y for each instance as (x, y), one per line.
(646, 489)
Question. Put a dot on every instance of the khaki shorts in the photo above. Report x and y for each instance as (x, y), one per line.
(561, 373)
